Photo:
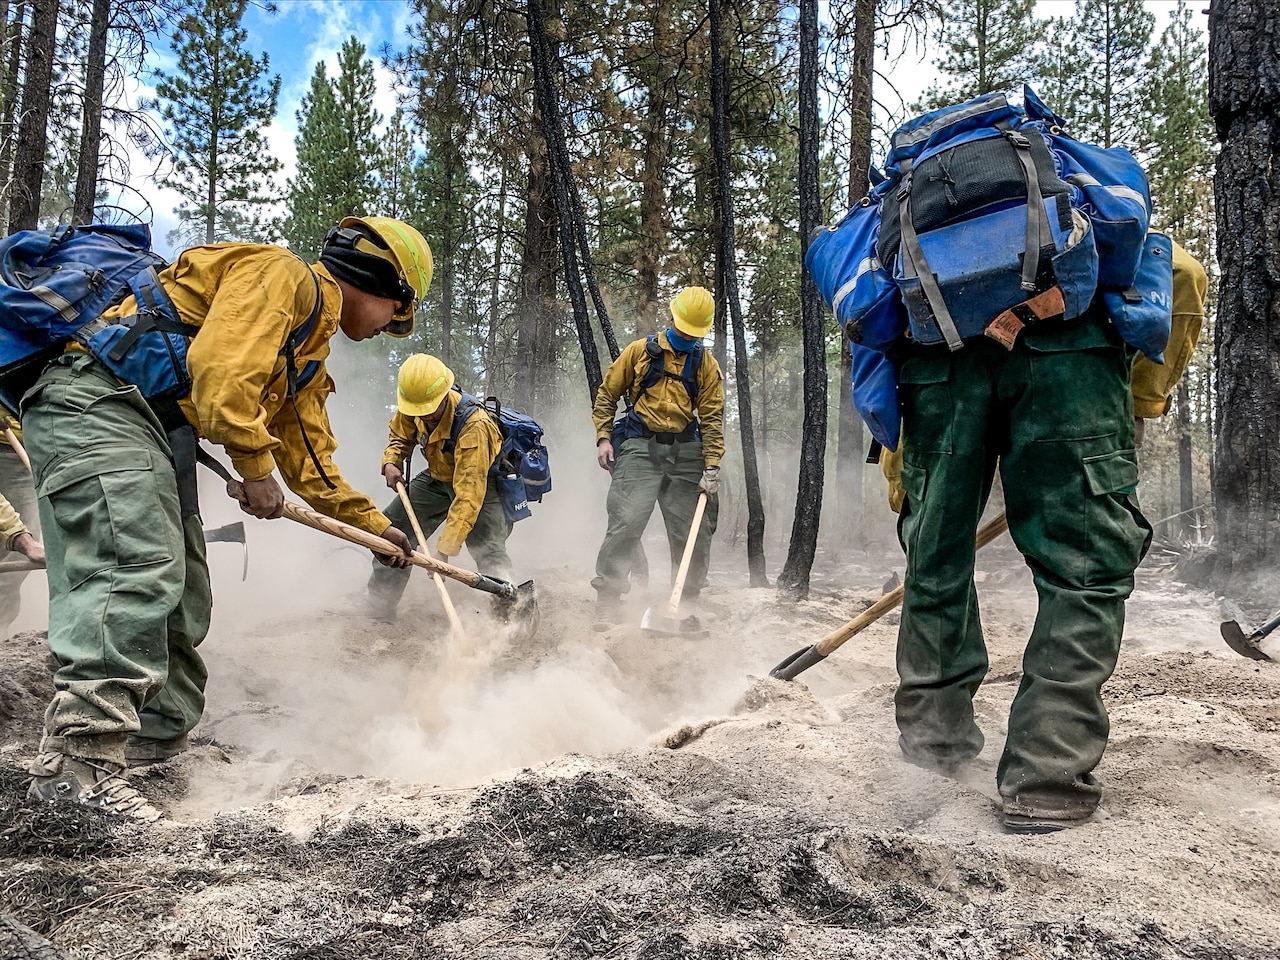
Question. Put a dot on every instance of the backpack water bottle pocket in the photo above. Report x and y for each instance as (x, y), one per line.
(515, 502)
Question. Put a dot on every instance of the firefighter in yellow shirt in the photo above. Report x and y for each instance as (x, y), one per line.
(666, 449)
(453, 489)
(129, 594)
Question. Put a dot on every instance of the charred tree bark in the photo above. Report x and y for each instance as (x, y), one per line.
(794, 579)
(1244, 98)
(33, 128)
(727, 257)
(569, 213)
(848, 498)
(653, 195)
(539, 216)
(95, 69)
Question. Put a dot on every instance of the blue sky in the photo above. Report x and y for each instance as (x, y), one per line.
(296, 38)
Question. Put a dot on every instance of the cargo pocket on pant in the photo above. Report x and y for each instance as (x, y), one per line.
(925, 394)
(109, 515)
(1117, 532)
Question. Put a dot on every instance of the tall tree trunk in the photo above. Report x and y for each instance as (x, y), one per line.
(848, 499)
(561, 179)
(728, 260)
(1186, 484)
(91, 123)
(495, 283)
(653, 194)
(14, 36)
(538, 215)
(1244, 98)
(33, 132)
(794, 579)
(446, 264)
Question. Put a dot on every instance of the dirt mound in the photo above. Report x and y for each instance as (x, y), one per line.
(616, 795)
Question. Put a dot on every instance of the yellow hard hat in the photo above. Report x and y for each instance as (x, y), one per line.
(422, 385)
(393, 241)
(692, 310)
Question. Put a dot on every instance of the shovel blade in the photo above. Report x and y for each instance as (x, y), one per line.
(690, 627)
(525, 616)
(1241, 644)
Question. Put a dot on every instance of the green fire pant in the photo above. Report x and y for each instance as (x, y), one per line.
(431, 498)
(646, 472)
(129, 596)
(1057, 416)
(17, 487)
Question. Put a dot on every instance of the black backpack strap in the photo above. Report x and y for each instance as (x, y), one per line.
(1037, 223)
(293, 381)
(155, 312)
(914, 264)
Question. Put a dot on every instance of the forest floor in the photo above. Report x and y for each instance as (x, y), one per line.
(364, 791)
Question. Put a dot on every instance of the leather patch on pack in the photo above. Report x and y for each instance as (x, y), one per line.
(1005, 328)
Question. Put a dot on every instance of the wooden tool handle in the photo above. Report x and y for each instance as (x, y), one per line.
(673, 605)
(445, 599)
(893, 598)
(337, 528)
(17, 446)
(19, 566)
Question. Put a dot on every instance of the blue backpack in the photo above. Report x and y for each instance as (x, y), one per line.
(523, 466)
(55, 283)
(989, 219)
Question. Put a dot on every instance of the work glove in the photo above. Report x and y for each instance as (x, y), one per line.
(710, 482)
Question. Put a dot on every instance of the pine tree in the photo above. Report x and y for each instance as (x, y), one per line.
(395, 168)
(988, 45)
(311, 202)
(215, 107)
(1110, 50)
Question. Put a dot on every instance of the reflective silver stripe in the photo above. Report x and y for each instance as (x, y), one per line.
(57, 301)
(1116, 190)
(985, 105)
(846, 288)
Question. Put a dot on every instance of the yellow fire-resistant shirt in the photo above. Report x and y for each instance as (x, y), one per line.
(11, 525)
(665, 407)
(466, 469)
(246, 298)
(1152, 383)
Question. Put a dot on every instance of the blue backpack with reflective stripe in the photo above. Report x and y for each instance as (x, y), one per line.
(54, 284)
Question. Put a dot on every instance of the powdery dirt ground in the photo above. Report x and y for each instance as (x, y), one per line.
(362, 791)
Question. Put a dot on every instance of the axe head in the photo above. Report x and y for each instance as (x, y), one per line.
(231, 533)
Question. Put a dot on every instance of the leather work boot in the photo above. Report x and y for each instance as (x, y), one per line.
(97, 784)
(144, 751)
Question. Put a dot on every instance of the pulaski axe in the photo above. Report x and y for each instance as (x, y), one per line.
(1249, 646)
(231, 533)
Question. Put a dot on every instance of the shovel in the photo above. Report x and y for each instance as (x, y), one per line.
(806, 657)
(1249, 646)
(524, 613)
(451, 613)
(671, 625)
